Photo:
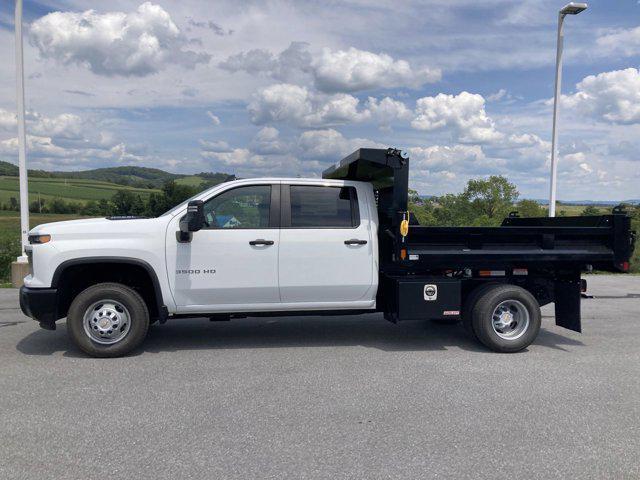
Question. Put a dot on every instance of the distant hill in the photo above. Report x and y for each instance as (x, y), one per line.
(613, 203)
(139, 177)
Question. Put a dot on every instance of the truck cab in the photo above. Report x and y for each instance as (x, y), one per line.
(276, 244)
(341, 244)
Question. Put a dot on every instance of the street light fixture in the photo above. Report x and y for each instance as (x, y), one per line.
(571, 8)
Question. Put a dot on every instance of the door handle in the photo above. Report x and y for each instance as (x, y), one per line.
(355, 241)
(261, 241)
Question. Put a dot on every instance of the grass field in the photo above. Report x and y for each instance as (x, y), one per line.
(71, 190)
(574, 210)
(10, 237)
(191, 181)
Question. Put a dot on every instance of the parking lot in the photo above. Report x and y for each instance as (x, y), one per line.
(335, 397)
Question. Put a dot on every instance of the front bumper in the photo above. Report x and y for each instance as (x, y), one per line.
(41, 304)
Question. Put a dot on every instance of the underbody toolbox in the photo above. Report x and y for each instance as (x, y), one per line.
(421, 297)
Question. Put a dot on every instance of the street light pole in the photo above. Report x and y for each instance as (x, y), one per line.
(571, 8)
(22, 154)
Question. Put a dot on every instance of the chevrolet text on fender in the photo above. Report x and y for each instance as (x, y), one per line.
(342, 244)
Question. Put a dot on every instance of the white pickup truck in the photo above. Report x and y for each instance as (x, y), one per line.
(339, 244)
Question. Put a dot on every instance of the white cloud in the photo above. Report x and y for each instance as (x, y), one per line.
(8, 120)
(463, 114)
(455, 158)
(63, 140)
(353, 70)
(332, 71)
(235, 157)
(267, 142)
(45, 150)
(387, 110)
(499, 95)
(575, 158)
(280, 102)
(66, 125)
(586, 167)
(330, 145)
(66, 129)
(115, 43)
(300, 107)
(215, 146)
(624, 41)
(214, 118)
(610, 96)
(288, 66)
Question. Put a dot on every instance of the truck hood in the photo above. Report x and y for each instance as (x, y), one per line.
(100, 227)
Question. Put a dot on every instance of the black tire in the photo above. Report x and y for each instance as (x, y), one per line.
(482, 318)
(469, 303)
(138, 318)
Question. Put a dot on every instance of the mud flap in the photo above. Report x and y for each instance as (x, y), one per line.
(567, 302)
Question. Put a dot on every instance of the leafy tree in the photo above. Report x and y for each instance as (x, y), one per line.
(452, 210)
(530, 208)
(37, 206)
(482, 203)
(127, 203)
(414, 197)
(424, 212)
(493, 197)
(590, 210)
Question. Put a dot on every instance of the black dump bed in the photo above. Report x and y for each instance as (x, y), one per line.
(604, 242)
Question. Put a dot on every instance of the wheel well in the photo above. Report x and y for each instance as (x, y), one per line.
(540, 287)
(73, 279)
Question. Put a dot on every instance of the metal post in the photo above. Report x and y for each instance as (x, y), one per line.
(556, 106)
(22, 154)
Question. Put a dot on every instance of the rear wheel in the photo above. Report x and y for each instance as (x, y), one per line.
(470, 302)
(108, 320)
(506, 318)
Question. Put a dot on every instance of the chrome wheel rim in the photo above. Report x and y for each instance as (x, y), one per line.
(510, 319)
(107, 322)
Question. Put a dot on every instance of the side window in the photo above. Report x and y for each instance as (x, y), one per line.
(318, 207)
(243, 207)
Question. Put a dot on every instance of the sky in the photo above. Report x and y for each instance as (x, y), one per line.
(286, 88)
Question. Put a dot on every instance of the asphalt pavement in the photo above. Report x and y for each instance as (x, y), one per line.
(336, 397)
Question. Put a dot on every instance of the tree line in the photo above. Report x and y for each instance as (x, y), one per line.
(484, 202)
(123, 202)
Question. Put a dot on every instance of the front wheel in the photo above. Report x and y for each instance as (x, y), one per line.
(506, 318)
(108, 320)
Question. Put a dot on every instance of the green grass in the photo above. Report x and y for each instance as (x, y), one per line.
(575, 210)
(10, 237)
(191, 181)
(71, 190)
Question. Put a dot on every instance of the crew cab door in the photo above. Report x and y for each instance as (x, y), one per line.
(233, 261)
(326, 249)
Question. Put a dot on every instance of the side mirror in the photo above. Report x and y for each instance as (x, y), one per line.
(194, 220)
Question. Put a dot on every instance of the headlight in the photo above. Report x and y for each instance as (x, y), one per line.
(37, 239)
